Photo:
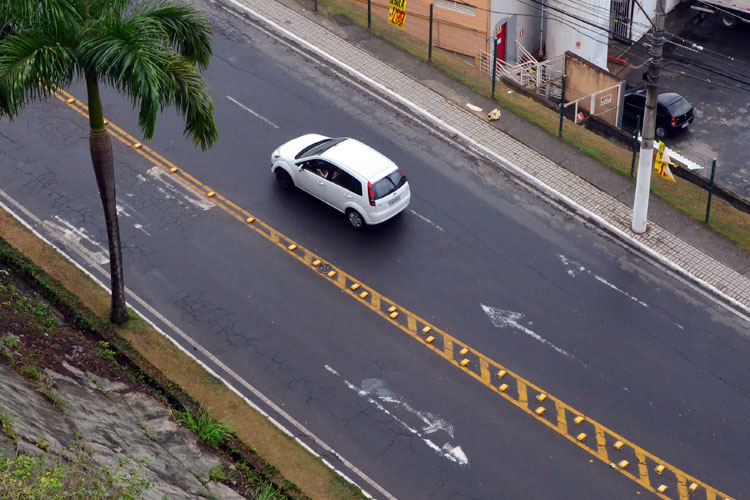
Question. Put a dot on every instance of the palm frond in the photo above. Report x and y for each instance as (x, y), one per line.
(31, 65)
(38, 14)
(192, 98)
(188, 30)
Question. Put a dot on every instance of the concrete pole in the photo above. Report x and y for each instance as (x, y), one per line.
(645, 162)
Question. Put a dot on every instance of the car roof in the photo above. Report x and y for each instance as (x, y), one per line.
(359, 158)
(666, 98)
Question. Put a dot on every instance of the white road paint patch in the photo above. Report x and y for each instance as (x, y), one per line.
(613, 287)
(261, 117)
(172, 188)
(72, 236)
(140, 228)
(378, 395)
(121, 210)
(428, 221)
(501, 318)
(575, 269)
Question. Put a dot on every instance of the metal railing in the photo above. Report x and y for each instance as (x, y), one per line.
(543, 76)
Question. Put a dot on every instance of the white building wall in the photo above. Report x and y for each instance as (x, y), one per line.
(585, 34)
(523, 25)
(640, 23)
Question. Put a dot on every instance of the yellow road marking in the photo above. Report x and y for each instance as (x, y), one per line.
(415, 327)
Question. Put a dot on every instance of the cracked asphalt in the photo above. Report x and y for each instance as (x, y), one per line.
(664, 365)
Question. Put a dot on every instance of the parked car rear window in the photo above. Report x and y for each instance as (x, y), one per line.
(679, 107)
(388, 184)
(317, 148)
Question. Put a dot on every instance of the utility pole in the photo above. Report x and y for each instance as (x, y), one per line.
(645, 162)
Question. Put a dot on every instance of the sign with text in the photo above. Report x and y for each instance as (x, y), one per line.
(662, 163)
(397, 12)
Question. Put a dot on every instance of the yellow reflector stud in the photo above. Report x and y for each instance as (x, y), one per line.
(363, 295)
(426, 329)
(503, 388)
(174, 170)
(394, 314)
(354, 286)
(659, 469)
(540, 410)
(618, 445)
(250, 220)
(623, 463)
(662, 488)
(71, 100)
(463, 351)
(331, 273)
(316, 263)
(693, 487)
(292, 247)
(137, 145)
(464, 362)
(541, 397)
(501, 373)
(430, 339)
(210, 194)
(392, 308)
(578, 419)
(581, 436)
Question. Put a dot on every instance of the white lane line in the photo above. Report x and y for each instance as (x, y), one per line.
(428, 221)
(86, 257)
(238, 103)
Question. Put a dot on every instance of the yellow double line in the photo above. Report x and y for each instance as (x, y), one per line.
(653, 474)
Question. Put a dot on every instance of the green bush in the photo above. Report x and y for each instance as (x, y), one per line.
(210, 431)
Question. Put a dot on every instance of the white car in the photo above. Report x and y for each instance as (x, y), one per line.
(344, 173)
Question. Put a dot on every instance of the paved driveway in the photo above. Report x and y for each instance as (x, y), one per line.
(713, 83)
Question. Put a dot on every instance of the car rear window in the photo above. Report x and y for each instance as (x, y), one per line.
(388, 184)
(317, 148)
(679, 107)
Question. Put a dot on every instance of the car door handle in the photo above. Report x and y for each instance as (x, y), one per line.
(321, 183)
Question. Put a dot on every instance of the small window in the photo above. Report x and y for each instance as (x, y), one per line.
(460, 7)
(346, 181)
(318, 148)
(388, 184)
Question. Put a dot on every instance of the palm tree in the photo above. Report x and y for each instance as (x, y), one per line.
(152, 51)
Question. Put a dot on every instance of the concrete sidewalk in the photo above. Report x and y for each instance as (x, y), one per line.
(539, 159)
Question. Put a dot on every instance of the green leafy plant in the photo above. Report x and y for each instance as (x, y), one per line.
(218, 474)
(47, 388)
(10, 342)
(210, 431)
(105, 351)
(267, 492)
(23, 477)
(33, 371)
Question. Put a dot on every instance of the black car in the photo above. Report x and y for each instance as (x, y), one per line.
(673, 112)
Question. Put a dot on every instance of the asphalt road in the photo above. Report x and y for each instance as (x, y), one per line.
(716, 81)
(598, 327)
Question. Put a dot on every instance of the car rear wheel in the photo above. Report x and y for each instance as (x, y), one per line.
(355, 219)
(661, 132)
(283, 178)
(728, 20)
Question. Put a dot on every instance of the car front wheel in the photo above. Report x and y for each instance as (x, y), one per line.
(355, 219)
(283, 178)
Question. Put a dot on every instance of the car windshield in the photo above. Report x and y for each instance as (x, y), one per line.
(679, 107)
(318, 148)
(388, 184)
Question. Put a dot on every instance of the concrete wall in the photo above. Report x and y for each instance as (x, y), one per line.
(584, 79)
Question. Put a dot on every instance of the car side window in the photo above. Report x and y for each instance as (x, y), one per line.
(346, 181)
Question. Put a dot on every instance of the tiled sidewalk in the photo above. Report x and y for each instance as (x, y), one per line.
(557, 182)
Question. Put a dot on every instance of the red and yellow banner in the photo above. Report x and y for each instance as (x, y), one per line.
(397, 12)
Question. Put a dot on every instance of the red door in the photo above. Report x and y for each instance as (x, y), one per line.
(500, 41)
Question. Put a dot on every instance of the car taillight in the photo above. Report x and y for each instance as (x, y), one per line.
(674, 121)
(402, 172)
(370, 194)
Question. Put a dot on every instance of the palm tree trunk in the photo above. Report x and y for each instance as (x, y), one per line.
(104, 169)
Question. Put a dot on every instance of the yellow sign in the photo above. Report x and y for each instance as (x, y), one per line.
(397, 12)
(662, 163)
